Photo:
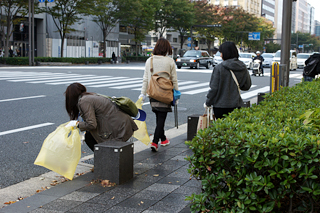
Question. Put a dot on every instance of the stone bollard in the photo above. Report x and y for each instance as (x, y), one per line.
(260, 97)
(192, 126)
(246, 104)
(113, 161)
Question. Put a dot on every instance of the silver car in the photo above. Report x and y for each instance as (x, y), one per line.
(246, 58)
(301, 58)
(267, 59)
(217, 59)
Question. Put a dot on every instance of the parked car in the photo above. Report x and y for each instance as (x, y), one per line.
(195, 59)
(247, 59)
(293, 59)
(217, 59)
(301, 58)
(267, 59)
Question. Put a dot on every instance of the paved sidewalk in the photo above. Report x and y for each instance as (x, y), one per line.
(160, 184)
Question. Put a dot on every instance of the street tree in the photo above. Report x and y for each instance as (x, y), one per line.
(66, 13)
(309, 42)
(181, 20)
(170, 13)
(140, 20)
(208, 14)
(12, 12)
(104, 14)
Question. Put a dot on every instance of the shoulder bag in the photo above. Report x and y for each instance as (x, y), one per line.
(160, 88)
(236, 81)
(125, 104)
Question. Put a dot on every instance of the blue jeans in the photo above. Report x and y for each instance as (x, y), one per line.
(308, 78)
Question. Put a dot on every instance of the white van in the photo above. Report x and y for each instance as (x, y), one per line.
(293, 59)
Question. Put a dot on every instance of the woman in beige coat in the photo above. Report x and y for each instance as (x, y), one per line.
(102, 119)
(161, 62)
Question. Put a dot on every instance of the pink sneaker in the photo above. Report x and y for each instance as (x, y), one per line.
(165, 143)
(154, 147)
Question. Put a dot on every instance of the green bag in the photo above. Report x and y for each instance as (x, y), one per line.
(125, 104)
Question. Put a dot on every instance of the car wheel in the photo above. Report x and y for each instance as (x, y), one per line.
(179, 67)
(198, 65)
(191, 67)
(208, 65)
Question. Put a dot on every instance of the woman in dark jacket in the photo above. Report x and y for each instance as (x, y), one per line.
(224, 95)
(102, 119)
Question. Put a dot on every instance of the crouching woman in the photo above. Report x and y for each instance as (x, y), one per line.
(102, 119)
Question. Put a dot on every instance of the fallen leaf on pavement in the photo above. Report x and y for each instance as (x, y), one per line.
(155, 175)
(25, 142)
(10, 202)
(112, 198)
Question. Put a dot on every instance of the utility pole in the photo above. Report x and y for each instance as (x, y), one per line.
(285, 42)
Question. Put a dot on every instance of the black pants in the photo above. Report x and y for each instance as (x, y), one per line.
(159, 131)
(222, 112)
(90, 141)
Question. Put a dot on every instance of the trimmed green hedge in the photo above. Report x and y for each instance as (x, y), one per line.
(262, 158)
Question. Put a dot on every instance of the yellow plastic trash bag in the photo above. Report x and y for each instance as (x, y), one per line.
(61, 151)
(142, 133)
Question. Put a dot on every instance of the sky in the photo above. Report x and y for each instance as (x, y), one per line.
(316, 5)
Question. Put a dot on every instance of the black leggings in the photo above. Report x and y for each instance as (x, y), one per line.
(159, 131)
(222, 112)
(90, 141)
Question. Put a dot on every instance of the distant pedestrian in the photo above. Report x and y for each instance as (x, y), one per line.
(224, 95)
(114, 59)
(161, 62)
(10, 52)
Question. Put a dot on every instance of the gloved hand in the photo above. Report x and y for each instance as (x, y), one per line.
(72, 123)
(177, 101)
(205, 105)
(142, 96)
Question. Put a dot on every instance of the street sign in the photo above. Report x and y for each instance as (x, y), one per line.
(41, 1)
(300, 46)
(50, 0)
(254, 36)
(189, 45)
(189, 39)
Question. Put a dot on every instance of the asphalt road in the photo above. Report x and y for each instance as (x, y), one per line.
(32, 105)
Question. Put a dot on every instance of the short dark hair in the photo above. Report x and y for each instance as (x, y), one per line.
(163, 47)
(72, 94)
(228, 50)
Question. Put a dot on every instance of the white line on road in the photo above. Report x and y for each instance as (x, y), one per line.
(255, 92)
(23, 98)
(25, 128)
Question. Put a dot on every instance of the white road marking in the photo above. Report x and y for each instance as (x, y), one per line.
(117, 79)
(23, 98)
(255, 92)
(194, 85)
(115, 84)
(127, 86)
(25, 128)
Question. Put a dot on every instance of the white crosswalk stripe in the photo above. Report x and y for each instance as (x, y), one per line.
(186, 87)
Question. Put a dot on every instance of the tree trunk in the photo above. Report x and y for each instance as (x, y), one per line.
(104, 43)
(62, 44)
(6, 52)
(209, 46)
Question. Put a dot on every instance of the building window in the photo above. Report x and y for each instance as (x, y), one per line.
(175, 39)
(155, 39)
(122, 29)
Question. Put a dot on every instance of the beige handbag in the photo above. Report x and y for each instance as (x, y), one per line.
(160, 88)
